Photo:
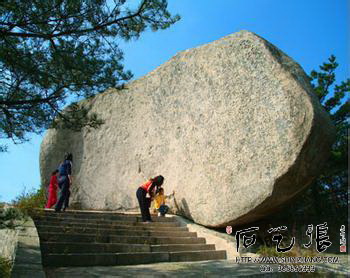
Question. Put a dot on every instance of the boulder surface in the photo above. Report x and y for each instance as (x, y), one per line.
(233, 126)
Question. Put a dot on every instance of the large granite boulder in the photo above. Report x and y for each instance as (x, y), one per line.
(233, 126)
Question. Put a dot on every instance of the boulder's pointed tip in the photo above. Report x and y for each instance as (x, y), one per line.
(242, 33)
(249, 33)
(245, 31)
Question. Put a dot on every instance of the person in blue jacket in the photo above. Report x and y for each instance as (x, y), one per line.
(64, 182)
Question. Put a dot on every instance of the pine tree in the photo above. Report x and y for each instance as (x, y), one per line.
(55, 50)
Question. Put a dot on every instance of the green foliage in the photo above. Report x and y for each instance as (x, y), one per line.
(322, 82)
(27, 202)
(266, 251)
(330, 189)
(58, 49)
(9, 216)
(76, 117)
(5, 267)
(11, 213)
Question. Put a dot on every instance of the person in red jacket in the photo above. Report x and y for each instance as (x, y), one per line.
(52, 200)
(149, 187)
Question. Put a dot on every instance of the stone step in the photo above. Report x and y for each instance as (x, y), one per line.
(146, 227)
(109, 217)
(115, 218)
(94, 231)
(76, 259)
(54, 237)
(181, 247)
(73, 247)
(101, 221)
(88, 213)
(96, 239)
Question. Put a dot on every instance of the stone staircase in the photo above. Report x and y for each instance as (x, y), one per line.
(77, 238)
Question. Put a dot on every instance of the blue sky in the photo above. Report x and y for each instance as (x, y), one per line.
(308, 31)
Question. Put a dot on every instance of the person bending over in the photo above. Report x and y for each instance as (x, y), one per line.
(149, 188)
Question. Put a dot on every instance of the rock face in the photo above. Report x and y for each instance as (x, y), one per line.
(233, 126)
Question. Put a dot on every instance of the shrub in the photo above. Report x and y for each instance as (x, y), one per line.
(9, 216)
(5, 267)
(266, 251)
(296, 251)
(12, 213)
(27, 202)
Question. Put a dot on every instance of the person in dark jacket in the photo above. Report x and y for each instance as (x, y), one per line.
(150, 187)
(64, 182)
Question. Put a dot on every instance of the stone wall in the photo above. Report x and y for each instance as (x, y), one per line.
(8, 243)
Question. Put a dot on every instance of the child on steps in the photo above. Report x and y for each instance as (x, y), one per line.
(159, 202)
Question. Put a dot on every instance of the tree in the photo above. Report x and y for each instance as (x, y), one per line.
(331, 188)
(54, 50)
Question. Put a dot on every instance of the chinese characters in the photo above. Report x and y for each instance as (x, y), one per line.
(249, 237)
